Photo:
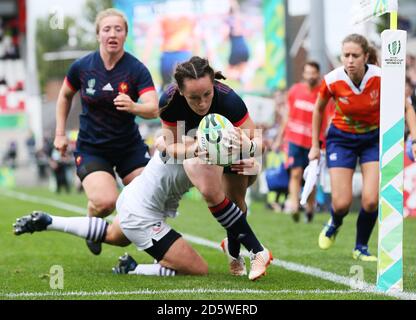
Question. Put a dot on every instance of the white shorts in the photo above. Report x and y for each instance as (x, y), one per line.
(140, 225)
(146, 202)
(142, 236)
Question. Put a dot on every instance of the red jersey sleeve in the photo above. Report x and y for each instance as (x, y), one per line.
(324, 90)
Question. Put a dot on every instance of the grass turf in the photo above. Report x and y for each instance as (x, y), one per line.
(25, 261)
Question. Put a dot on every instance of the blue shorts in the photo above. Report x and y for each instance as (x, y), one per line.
(124, 162)
(239, 51)
(298, 156)
(344, 148)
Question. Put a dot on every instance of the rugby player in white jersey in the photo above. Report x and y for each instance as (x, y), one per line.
(142, 209)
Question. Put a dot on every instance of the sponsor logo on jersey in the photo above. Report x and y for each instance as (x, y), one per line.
(304, 105)
(157, 227)
(374, 97)
(344, 100)
(374, 94)
(108, 87)
(123, 87)
(78, 160)
(91, 84)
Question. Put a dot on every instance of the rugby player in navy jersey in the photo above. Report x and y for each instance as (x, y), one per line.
(195, 94)
(110, 82)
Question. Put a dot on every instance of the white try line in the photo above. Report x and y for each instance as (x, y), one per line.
(364, 287)
(145, 292)
(43, 201)
(312, 271)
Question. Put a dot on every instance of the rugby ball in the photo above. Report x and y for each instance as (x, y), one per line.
(213, 136)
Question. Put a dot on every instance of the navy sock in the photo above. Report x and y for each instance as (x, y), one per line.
(365, 224)
(234, 244)
(234, 221)
(337, 218)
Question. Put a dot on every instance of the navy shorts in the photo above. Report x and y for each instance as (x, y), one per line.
(344, 148)
(123, 162)
(239, 51)
(298, 156)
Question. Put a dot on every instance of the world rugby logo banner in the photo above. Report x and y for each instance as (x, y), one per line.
(394, 48)
(394, 55)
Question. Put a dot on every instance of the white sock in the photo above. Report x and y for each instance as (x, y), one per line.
(153, 270)
(90, 228)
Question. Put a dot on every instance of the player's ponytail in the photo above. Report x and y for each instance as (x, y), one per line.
(373, 56)
(219, 76)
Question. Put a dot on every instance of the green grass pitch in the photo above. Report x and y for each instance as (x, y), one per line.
(25, 261)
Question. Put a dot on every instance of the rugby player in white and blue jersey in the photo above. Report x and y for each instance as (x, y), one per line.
(142, 210)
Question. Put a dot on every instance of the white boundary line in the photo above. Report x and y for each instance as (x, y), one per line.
(40, 200)
(312, 271)
(173, 291)
(315, 272)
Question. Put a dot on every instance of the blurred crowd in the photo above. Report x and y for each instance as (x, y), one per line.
(411, 75)
(53, 169)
